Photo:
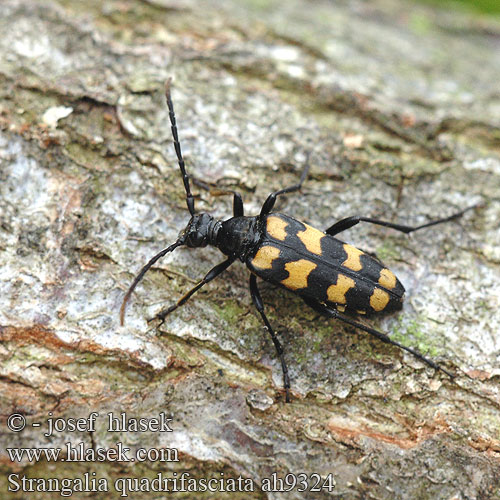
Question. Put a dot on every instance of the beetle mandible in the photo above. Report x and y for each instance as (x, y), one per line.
(331, 276)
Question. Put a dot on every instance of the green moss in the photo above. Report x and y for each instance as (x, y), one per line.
(420, 23)
(490, 7)
(264, 5)
(410, 334)
(82, 155)
(387, 251)
(229, 311)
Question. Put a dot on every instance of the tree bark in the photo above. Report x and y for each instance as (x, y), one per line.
(397, 105)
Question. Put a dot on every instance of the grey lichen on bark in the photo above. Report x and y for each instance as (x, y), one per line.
(397, 105)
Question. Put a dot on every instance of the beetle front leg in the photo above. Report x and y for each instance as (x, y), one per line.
(237, 205)
(237, 199)
(257, 300)
(271, 199)
(212, 274)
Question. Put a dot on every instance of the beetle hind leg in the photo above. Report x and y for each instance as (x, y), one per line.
(257, 300)
(349, 222)
(333, 313)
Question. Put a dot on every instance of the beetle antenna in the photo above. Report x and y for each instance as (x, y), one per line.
(141, 274)
(177, 145)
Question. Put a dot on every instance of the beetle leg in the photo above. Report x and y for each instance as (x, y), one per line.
(237, 205)
(237, 199)
(271, 199)
(333, 313)
(348, 222)
(212, 274)
(257, 300)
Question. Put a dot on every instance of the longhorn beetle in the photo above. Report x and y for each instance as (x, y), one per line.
(331, 276)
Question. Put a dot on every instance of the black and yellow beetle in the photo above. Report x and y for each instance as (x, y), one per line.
(331, 276)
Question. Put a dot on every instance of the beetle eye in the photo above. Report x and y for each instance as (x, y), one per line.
(196, 239)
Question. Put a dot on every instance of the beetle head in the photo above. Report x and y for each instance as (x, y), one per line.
(200, 231)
